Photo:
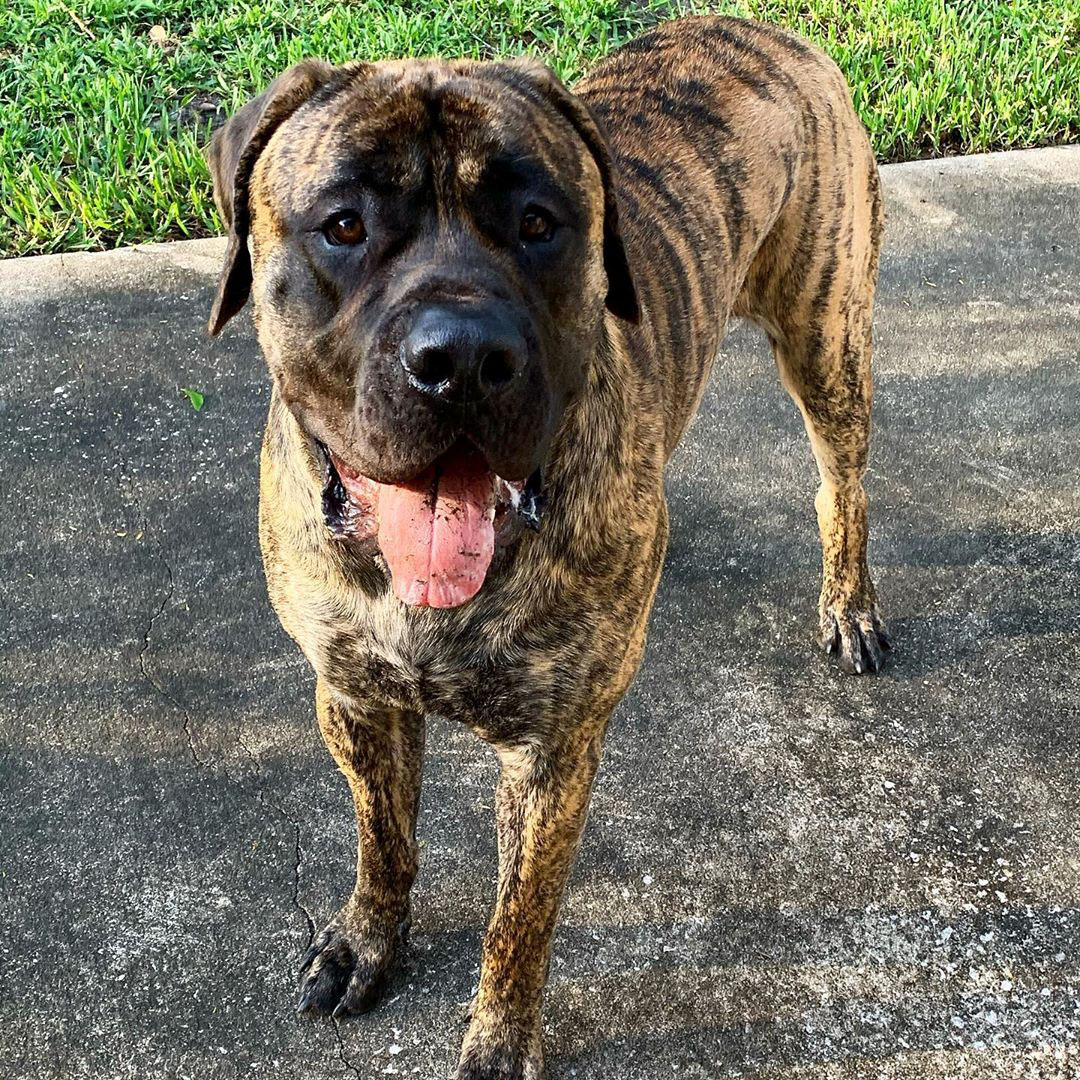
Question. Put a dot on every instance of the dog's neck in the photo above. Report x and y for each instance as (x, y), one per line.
(610, 448)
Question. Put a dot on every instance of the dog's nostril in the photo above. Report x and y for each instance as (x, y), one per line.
(431, 366)
(497, 368)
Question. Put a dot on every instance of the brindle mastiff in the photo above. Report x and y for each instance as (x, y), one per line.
(490, 308)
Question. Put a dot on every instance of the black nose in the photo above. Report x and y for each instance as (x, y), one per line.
(462, 352)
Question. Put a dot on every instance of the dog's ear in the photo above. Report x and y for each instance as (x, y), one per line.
(232, 154)
(621, 295)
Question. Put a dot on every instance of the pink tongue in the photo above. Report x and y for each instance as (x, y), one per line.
(437, 533)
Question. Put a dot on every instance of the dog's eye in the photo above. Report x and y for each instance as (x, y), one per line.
(536, 225)
(345, 229)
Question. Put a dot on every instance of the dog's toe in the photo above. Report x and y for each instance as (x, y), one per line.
(362, 993)
(326, 969)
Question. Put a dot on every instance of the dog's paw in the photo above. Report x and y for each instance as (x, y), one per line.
(344, 971)
(500, 1063)
(856, 637)
(488, 1057)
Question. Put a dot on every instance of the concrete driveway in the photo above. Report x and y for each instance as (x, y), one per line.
(787, 873)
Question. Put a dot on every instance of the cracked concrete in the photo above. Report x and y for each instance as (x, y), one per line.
(299, 855)
(786, 874)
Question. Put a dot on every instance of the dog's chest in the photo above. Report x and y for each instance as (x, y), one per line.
(400, 660)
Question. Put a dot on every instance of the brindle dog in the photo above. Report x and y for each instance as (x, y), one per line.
(490, 308)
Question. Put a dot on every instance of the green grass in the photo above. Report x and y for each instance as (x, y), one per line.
(100, 128)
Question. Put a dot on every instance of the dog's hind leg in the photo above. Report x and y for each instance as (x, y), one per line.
(830, 382)
(380, 753)
(822, 344)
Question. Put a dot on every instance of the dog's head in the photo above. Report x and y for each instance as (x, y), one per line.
(430, 247)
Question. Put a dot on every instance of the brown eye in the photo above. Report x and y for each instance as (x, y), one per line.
(536, 225)
(345, 229)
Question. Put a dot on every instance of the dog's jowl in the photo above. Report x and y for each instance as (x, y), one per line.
(489, 307)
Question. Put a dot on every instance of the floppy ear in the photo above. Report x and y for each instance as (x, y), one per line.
(232, 154)
(621, 295)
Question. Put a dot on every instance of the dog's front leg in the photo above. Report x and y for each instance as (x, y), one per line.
(380, 752)
(541, 804)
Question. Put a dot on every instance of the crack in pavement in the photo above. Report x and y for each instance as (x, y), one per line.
(157, 686)
(266, 801)
(345, 1059)
(259, 792)
(203, 763)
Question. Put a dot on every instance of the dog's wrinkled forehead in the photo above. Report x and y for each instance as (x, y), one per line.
(401, 126)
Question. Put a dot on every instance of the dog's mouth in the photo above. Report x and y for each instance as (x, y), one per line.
(435, 531)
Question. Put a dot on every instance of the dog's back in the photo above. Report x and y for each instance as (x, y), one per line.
(724, 132)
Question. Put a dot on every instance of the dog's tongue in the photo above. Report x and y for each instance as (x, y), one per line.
(437, 533)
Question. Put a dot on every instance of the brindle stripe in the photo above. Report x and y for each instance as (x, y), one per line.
(669, 36)
(789, 158)
(728, 67)
(690, 111)
(652, 44)
(532, 109)
(646, 275)
(778, 36)
(826, 277)
(651, 276)
(772, 69)
(803, 251)
(727, 173)
(732, 33)
(606, 111)
(699, 340)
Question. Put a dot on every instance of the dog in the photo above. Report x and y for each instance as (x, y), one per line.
(489, 307)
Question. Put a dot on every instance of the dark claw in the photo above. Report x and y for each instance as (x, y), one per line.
(323, 989)
(353, 1003)
(307, 994)
(860, 647)
(314, 949)
(497, 1063)
(873, 652)
(851, 660)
